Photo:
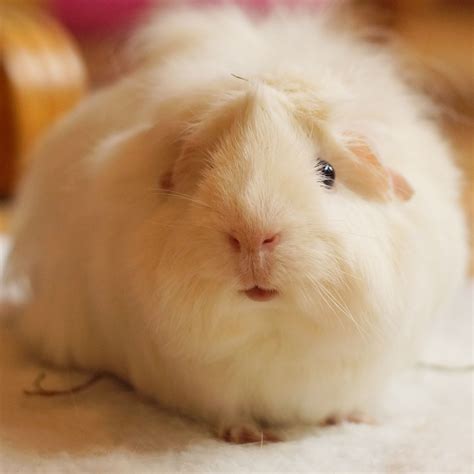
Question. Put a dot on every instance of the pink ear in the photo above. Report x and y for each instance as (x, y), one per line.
(400, 186)
(377, 181)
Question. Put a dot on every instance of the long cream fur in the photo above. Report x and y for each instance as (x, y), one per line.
(126, 275)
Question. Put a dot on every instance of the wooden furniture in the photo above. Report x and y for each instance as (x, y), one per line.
(41, 77)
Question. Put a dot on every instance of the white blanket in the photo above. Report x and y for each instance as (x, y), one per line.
(427, 427)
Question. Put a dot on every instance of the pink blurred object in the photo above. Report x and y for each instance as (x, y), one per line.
(97, 15)
(83, 16)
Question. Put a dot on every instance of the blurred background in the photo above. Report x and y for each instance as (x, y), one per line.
(54, 52)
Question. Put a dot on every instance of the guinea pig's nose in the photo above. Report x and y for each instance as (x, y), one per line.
(270, 241)
(267, 242)
(234, 242)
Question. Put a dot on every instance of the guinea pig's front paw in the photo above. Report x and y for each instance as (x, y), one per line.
(354, 417)
(361, 418)
(247, 433)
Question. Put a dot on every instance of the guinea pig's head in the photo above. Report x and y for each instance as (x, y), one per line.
(277, 211)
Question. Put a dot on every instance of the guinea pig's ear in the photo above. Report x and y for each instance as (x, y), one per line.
(365, 174)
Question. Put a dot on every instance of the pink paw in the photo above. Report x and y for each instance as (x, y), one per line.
(332, 420)
(361, 418)
(355, 417)
(245, 434)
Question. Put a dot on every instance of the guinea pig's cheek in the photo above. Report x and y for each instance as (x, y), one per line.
(208, 257)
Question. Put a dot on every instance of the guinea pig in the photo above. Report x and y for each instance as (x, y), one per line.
(253, 227)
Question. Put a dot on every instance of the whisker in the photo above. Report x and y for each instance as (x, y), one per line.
(181, 196)
(344, 309)
(184, 224)
(328, 303)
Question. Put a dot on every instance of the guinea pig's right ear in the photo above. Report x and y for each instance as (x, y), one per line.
(364, 173)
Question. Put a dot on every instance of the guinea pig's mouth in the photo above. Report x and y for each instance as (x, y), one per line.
(260, 294)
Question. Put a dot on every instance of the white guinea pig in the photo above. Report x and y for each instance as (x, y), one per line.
(252, 228)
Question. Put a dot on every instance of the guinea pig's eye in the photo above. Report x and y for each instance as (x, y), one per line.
(328, 173)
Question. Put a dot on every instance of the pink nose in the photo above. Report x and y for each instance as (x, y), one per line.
(267, 242)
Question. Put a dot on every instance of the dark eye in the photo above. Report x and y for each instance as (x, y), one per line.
(327, 172)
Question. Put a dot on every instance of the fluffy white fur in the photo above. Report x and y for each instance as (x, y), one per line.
(132, 278)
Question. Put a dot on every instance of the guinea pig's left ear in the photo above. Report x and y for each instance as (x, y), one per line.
(370, 177)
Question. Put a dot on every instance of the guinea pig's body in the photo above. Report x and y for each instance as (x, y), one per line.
(182, 228)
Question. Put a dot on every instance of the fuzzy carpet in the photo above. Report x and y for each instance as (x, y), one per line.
(427, 426)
